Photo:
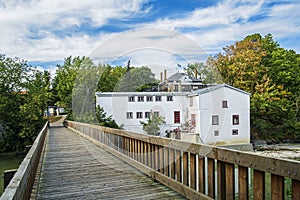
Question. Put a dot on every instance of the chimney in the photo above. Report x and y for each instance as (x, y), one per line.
(196, 73)
(165, 71)
(161, 77)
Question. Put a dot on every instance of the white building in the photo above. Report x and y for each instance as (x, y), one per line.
(217, 115)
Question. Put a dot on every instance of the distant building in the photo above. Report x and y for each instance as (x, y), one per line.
(218, 115)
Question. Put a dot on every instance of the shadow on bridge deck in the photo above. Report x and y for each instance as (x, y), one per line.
(74, 168)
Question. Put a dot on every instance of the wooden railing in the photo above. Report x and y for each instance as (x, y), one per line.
(20, 186)
(200, 171)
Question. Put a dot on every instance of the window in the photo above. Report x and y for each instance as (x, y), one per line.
(191, 101)
(139, 115)
(235, 132)
(157, 98)
(131, 99)
(176, 117)
(176, 88)
(147, 115)
(193, 120)
(215, 120)
(169, 98)
(129, 115)
(235, 119)
(224, 104)
(149, 98)
(140, 98)
(216, 133)
(156, 113)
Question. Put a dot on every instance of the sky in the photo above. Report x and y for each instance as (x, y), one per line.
(161, 34)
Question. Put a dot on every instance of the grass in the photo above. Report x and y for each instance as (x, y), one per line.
(8, 161)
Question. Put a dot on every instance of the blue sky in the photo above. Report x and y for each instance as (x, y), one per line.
(158, 33)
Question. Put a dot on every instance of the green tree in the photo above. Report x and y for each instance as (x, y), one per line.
(135, 78)
(24, 94)
(110, 77)
(103, 120)
(258, 65)
(151, 127)
(64, 81)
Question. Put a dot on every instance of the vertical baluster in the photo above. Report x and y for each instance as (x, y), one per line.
(193, 168)
(243, 183)
(211, 177)
(185, 161)
(201, 174)
(295, 189)
(259, 184)
(178, 166)
(166, 161)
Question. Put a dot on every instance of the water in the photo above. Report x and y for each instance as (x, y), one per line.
(8, 161)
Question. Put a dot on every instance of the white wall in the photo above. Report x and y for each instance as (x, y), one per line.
(116, 104)
(211, 104)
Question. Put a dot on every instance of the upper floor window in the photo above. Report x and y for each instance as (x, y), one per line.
(215, 120)
(235, 119)
(224, 104)
(156, 113)
(157, 98)
(129, 115)
(149, 98)
(169, 98)
(131, 99)
(139, 115)
(191, 101)
(140, 98)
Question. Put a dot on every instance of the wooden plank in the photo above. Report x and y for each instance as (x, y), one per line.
(138, 150)
(166, 161)
(149, 153)
(185, 161)
(295, 189)
(277, 187)
(201, 174)
(193, 168)
(145, 154)
(161, 159)
(243, 183)
(221, 180)
(230, 184)
(172, 163)
(76, 169)
(281, 167)
(142, 152)
(157, 161)
(211, 177)
(178, 165)
(258, 185)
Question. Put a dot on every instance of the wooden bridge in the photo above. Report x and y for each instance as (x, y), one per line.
(92, 162)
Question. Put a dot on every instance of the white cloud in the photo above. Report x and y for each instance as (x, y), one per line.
(229, 21)
(28, 27)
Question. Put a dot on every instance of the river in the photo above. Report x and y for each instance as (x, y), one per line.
(8, 161)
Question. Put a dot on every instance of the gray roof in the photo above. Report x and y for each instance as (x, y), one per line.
(212, 88)
(177, 76)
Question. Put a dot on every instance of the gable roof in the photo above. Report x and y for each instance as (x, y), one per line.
(177, 77)
(212, 88)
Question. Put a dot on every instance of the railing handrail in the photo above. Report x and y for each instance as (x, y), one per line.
(21, 184)
(195, 169)
(279, 166)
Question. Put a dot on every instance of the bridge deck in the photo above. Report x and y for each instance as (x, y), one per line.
(74, 168)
